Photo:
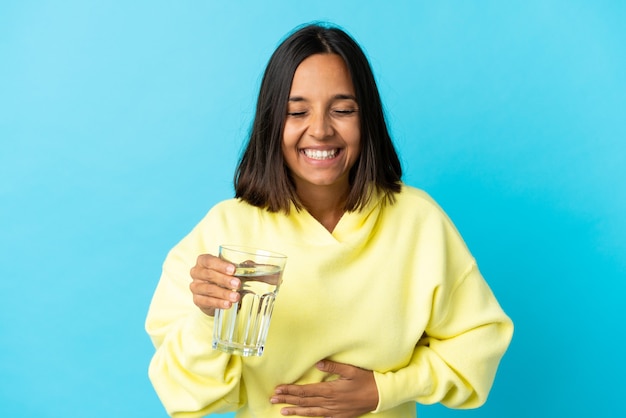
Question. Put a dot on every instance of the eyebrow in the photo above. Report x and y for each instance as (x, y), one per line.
(335, 97)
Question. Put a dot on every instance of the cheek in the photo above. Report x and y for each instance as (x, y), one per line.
(351, 132)
(289, 153)
(355, 146)
(290, 141)
(287, 141)
(355, 141)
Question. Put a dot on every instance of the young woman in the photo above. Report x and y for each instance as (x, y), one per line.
(382, 305)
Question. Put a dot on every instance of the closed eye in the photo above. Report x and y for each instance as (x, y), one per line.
(345, 111)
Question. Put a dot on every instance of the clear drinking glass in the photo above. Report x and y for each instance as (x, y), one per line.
(243, 328)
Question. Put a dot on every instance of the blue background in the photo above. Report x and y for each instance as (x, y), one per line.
(121, 123)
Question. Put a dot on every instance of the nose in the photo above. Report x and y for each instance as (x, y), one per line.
(320, 126)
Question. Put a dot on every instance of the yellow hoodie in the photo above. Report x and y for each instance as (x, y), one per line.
(393, 289)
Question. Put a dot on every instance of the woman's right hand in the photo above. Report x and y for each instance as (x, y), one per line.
(213, 285)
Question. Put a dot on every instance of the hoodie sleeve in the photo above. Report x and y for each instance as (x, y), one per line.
(190, 378)
(456, 360)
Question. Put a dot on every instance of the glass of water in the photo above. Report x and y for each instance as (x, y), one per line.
(242, 329)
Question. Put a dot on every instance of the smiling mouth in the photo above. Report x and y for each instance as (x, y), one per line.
(316, 154)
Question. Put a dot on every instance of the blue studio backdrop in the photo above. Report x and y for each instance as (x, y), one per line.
(121, 124)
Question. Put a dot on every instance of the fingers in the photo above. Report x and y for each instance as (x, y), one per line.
(213, 285)
(341, 369)
(210, 262)
(314, 390)
(302, 405)
(353, 394)
(209, 297)
(305, 412)
(317, 390)
(313, 400)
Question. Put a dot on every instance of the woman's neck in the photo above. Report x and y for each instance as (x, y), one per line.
(327, 206)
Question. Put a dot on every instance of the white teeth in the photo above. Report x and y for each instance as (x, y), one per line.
(320, 154)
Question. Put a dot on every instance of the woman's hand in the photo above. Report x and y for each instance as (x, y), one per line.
(352, 395)
(213, 284)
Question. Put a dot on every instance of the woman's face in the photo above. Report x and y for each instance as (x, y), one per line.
(321, 140)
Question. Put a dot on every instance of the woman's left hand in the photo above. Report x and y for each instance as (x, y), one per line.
(352, 395)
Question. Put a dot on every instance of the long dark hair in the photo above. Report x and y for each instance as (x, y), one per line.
(262, 178)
